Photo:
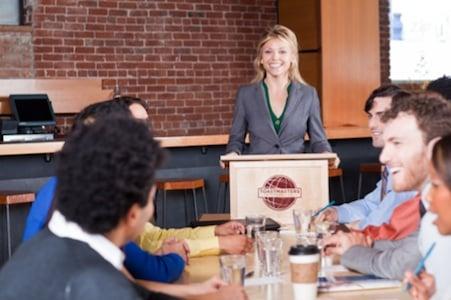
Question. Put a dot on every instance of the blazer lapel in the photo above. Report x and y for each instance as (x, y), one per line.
(294, 99)
(263, 110)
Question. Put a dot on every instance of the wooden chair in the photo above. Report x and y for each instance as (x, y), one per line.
(8, 198)
(223, 183)
(338, 172)
(182, 184)
(374, 168)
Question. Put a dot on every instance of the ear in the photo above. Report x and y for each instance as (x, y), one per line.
(132, 217)
(430, 146)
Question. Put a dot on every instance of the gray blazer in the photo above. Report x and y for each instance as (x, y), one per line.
(302, 115)
(386, 259)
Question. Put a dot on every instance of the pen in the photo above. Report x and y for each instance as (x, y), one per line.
(324, 208)
(420, 265)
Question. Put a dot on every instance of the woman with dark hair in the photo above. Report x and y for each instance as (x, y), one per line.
(439, 197)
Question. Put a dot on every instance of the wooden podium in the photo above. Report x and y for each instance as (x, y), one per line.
(273, 185)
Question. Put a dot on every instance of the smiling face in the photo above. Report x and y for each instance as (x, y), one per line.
(380, 104)
(276, 58)
(439, 197)
(404, 153)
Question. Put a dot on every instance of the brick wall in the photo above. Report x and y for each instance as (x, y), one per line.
(185, 58)
(16, 59)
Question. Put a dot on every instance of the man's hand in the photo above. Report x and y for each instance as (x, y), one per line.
(340, 242)
(173, 245)
(235, 244)
(229, 228)
(329, 214)
(423, 286)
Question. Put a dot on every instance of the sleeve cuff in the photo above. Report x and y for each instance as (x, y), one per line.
(203, 247)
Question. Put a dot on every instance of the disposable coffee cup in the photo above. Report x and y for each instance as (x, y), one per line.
(304, 266)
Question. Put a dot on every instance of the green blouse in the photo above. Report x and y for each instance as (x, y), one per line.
(276, 121)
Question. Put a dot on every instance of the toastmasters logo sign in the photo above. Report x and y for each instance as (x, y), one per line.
(279, 192)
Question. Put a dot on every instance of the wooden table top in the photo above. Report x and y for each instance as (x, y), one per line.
(202, 268)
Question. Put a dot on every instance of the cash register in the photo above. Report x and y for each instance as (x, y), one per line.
(33, 119)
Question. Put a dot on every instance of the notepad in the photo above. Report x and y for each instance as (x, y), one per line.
(355, 282)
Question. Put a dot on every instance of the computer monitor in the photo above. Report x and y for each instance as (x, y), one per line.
(32, 110)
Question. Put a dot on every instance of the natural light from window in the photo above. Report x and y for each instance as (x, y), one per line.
(420, 39)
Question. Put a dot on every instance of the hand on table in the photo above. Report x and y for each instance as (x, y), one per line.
(209, 286)
(229, 228)
(235, 244)
(227, 292)
(173, 245)
(233, 291)
(423, 285)
(340, 242)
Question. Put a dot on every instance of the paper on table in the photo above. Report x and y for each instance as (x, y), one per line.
(358, 282)
(334, 269)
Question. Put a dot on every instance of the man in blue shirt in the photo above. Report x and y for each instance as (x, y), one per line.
(376, 207)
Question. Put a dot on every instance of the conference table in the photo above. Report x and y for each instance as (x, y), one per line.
(202, 268)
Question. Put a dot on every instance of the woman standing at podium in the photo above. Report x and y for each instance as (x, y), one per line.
(277, 109)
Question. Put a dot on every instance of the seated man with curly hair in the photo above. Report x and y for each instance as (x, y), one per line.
(103, 200)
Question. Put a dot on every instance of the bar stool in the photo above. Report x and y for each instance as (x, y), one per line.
(338, 172)
(182, 184)
(8, 198)
(223, 182)
(367, 168)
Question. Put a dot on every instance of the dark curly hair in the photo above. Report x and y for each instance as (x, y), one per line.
(388, 90)
(103, 169)
(441, 159)
(431, 111)
(442, 86)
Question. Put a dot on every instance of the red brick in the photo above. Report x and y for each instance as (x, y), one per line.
(88, 3)
(55, 10)
(98, 11)
(117, 12)
(109, 4)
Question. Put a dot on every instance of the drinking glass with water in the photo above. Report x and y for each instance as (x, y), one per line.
(302, 219)
(233, 268)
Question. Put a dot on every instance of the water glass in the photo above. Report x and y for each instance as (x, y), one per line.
(272, 248)
(302, 219)
(254, 223)
(260, 238)
(233, 268)
(324, 229)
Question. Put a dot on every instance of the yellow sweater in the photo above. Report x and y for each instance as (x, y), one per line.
(201, 240)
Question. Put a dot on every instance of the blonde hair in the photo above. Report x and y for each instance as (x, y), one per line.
(285, 34)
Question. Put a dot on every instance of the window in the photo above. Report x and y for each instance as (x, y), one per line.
(420, 39)
(16, 12)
